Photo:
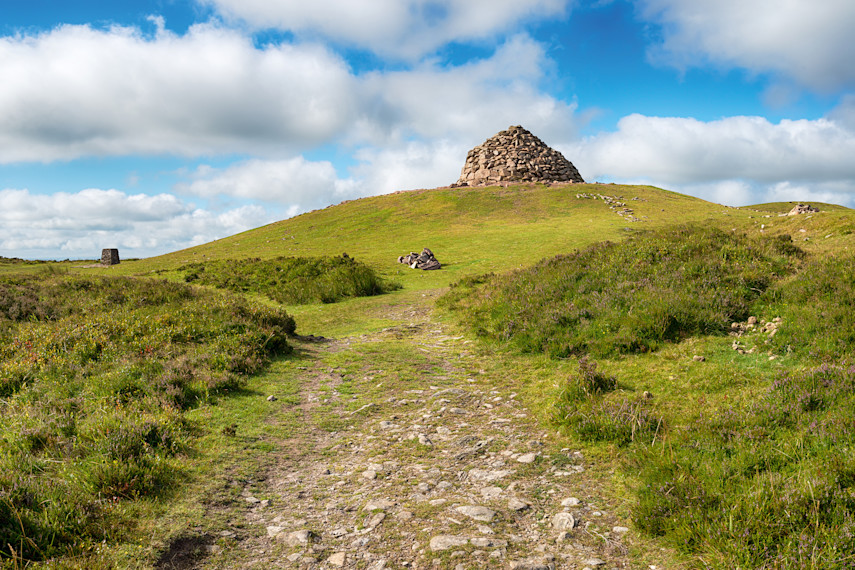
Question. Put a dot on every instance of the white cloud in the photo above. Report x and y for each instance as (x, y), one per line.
(680, 150)
(400, 29)
(810, 42)
(294, 182)
(76, 91)
(78, 225)
(735, 161)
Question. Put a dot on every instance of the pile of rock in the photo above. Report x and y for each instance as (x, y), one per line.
(802, 209)
(755, 326)
(515, 155)
(424, 260)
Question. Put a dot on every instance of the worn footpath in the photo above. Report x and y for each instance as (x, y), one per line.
(409, 454)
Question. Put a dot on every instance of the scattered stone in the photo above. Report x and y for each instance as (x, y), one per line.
(425, 260)
(272, 398)
(594, 562)
(273, 530)
(297, 537)
(425, 440)
(563, 521)
(802, 209)
(698, 358)
(369, 474)
(527, 458)
(491, 492)
(378, 505)
(488, 542)
(446, 542)
(338, 559)
(477, 513)
(570, 502)
(375, 520)
(252, 500)
(531, 564)
(517, 505)
(620, 529)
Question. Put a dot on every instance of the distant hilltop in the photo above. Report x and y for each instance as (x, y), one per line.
(515, 155)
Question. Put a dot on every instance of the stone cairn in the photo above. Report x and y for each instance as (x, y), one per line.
(109, 257)
(802, 209)
(424, 260)
(515, 155)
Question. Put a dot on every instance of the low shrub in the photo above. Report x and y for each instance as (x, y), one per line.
(771, 485)
(584, 408)
(93, 392)
(626, 297)
(291, 280)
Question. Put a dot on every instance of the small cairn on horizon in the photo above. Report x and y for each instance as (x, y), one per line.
(515, 155)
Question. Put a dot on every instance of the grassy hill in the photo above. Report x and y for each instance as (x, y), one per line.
(159, 363)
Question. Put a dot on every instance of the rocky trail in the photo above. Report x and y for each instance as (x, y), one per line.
(442, 467)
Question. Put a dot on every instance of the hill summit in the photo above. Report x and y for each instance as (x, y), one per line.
(515, 155)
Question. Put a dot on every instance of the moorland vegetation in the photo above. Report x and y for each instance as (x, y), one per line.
(735, 458)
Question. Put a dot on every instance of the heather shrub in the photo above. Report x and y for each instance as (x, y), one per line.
(626, 297)
(93, 393)
(585, 409)
(817, 308)
(291, 280)
(769, 485)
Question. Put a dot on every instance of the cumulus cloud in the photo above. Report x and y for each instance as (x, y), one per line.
(404, 29)
(683, 150)
(810, 42)
(78, 225)
(77, 91)
(736, 160)
(293, 182)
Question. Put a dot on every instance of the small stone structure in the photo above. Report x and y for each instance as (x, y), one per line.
(802, 209)
(424, 260)
(109, 257)
(515, 155)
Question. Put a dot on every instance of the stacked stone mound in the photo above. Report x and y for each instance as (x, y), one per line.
(425, 260)
(515, 155)
(802, 209)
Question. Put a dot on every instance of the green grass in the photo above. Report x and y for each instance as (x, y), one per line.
(737, 460)
(96, 377)
(172, 378)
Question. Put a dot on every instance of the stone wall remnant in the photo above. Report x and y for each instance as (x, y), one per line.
(424, 260)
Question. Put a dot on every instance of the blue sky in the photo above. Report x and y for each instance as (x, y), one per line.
(155, 125)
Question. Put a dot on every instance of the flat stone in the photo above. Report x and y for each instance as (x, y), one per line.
(527, 458)
(338, 559)
(274, 530)
(375, 520)
(477, 513)
(491, 492)
(297, 537)
(486, 475)
(594, 562)
(446, 542)
(369, 474)
(530, 564)
(563, 521)
(483, 542)
(620, 529)
(570, 502)
(378, 505)
(517, 505)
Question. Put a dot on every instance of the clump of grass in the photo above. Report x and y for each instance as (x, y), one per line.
(584, 409)
(292, 280)
(626, 297)
(771, 485)
(95, 377)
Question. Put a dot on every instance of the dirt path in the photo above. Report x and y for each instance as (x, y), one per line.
(410, 455)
